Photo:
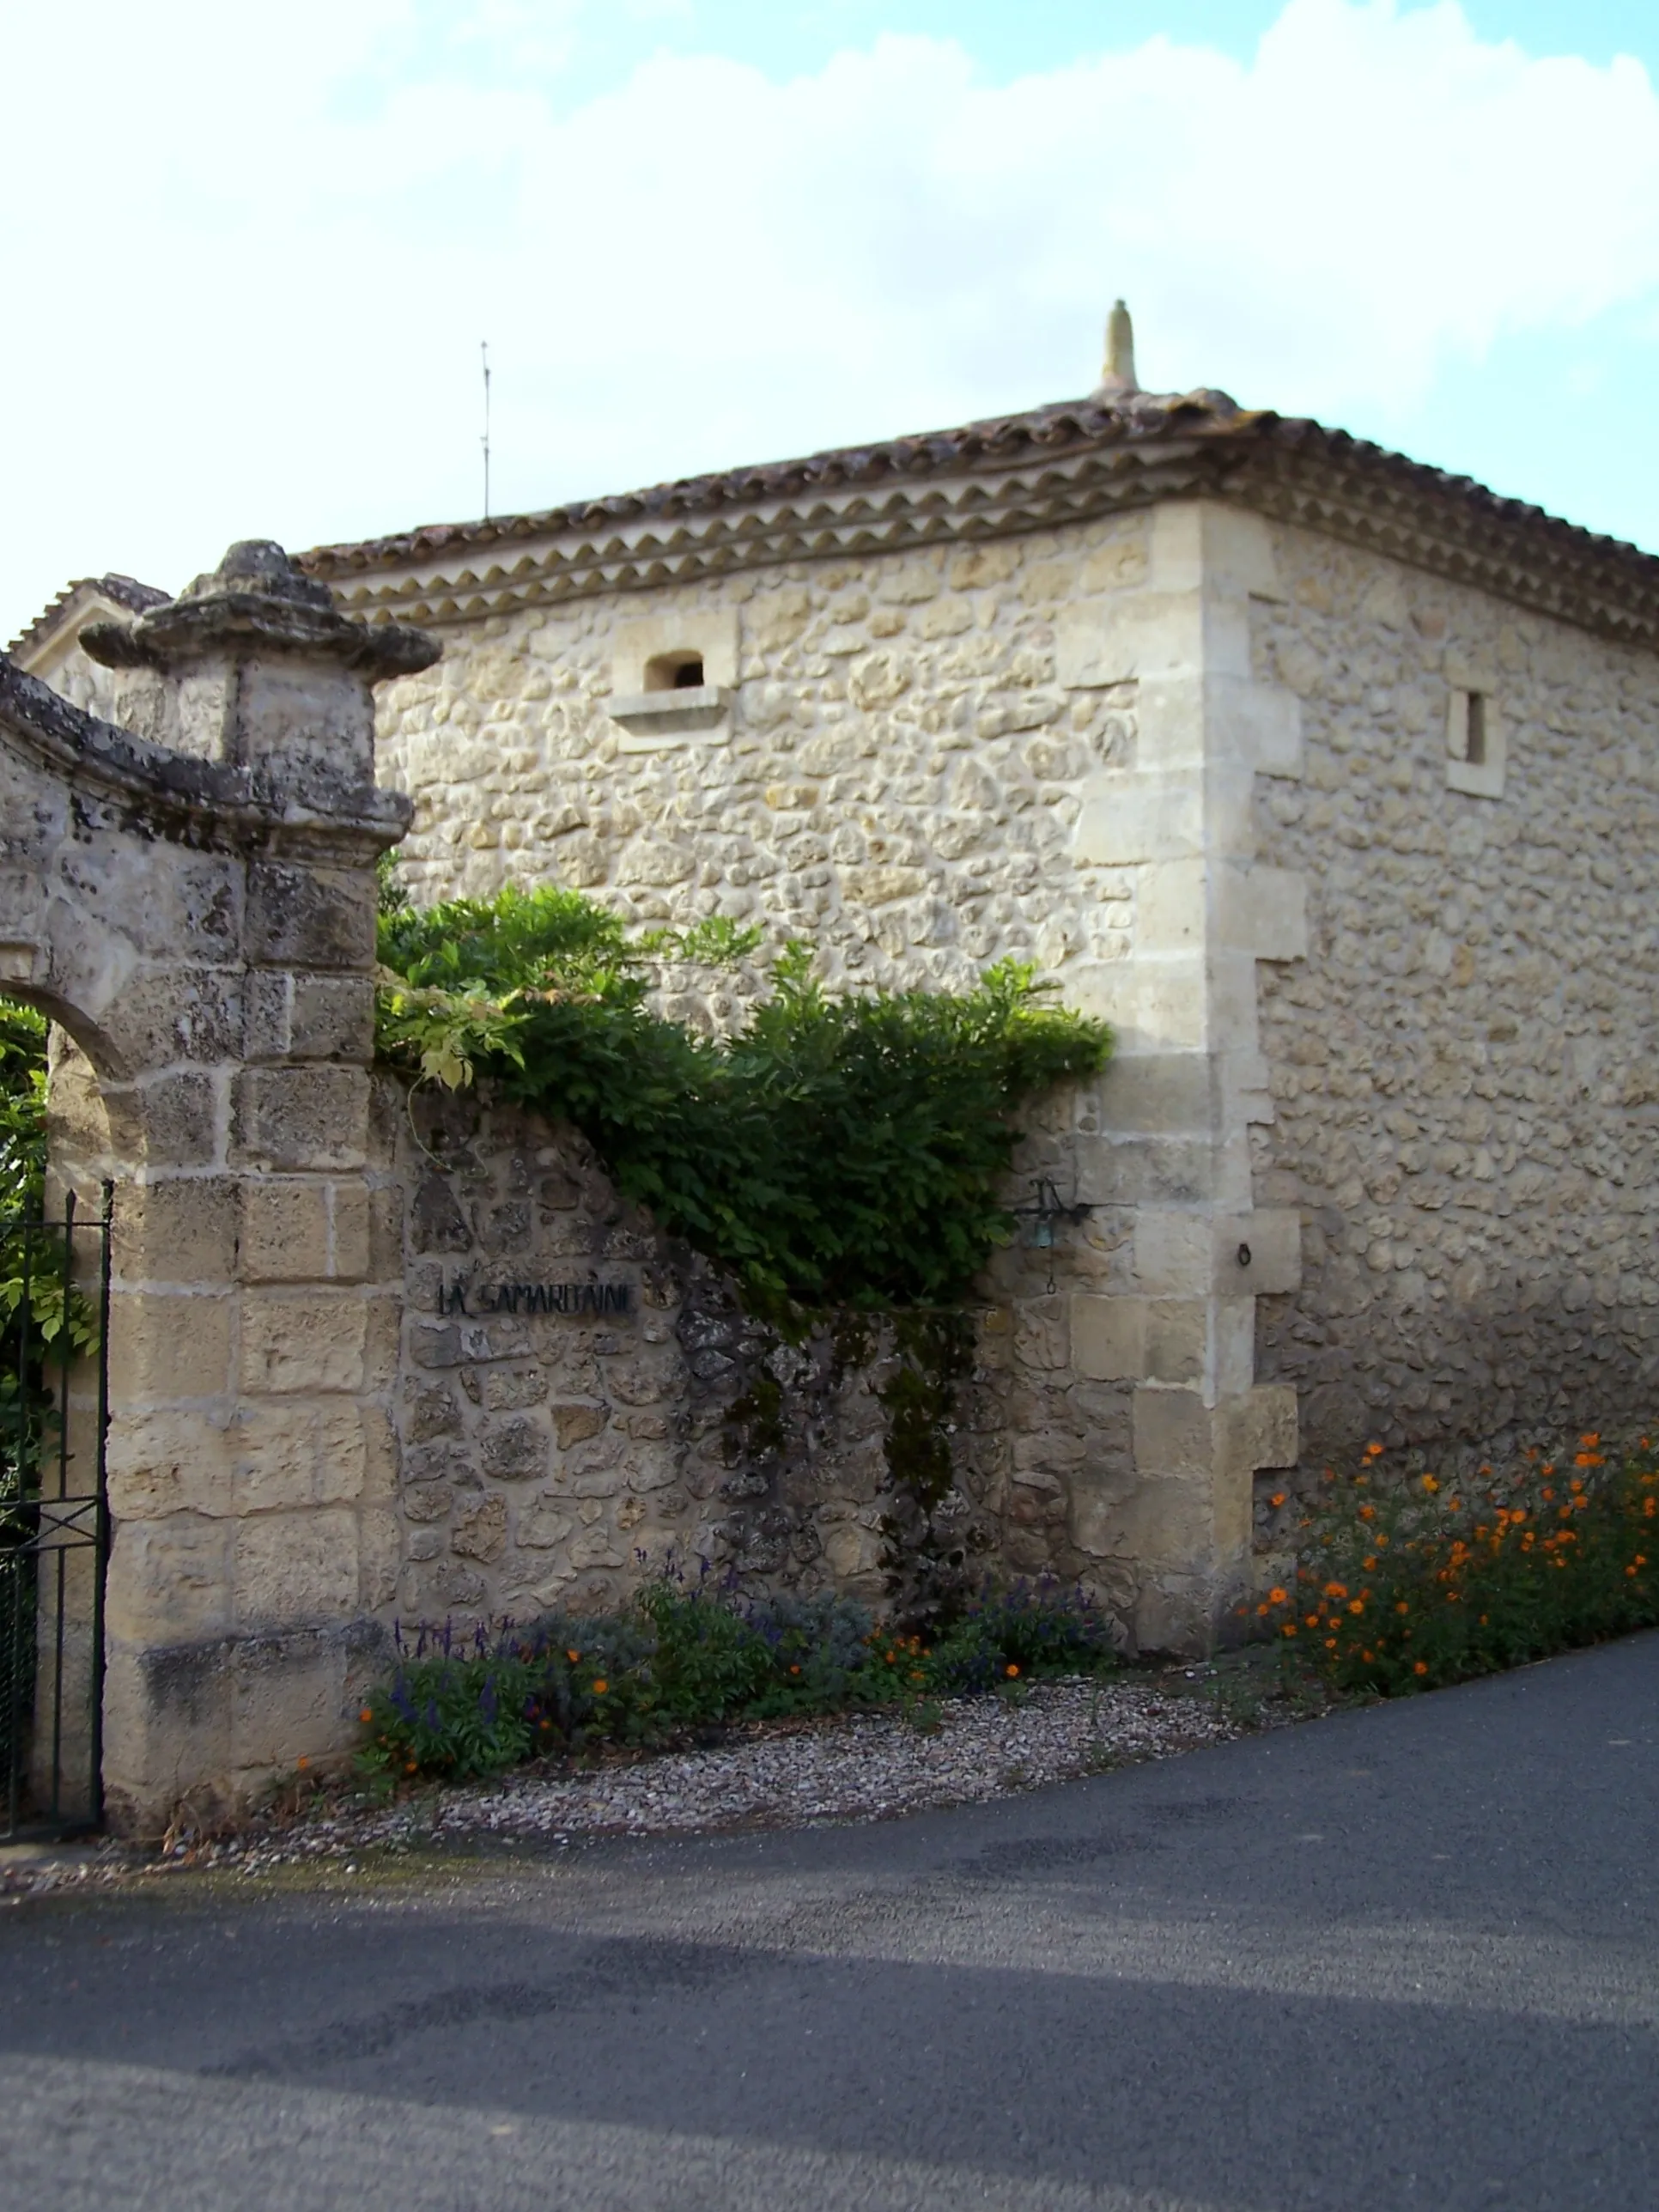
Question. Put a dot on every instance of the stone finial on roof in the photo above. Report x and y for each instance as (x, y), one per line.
(1117, 374)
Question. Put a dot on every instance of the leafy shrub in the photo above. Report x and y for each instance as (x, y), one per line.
(822, 1657)
(687, 1657)
(1022, 1629)
(29, 1421)
(837, 1151)
(22, 1106)
(1408, 1584)
(459, 1707)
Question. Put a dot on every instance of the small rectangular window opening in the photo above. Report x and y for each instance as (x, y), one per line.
(1475, 743)
(674, 671)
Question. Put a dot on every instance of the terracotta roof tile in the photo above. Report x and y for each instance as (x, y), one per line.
(125, 590)
(1109, 451)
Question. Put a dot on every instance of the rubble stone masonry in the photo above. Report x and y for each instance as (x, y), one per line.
(1465, 1069)
(1329, 782)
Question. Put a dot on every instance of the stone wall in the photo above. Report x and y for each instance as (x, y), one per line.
(578, 1398)
(1163, 754)
(1465, 1070)
(898, 775)
(197, 916)
(1043, 748)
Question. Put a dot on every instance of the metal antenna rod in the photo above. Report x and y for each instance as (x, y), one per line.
(483, 351)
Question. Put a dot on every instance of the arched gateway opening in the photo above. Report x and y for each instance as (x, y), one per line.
(191, 899)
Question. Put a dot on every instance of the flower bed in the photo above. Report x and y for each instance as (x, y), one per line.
(685, 1657)
(1405, 1584)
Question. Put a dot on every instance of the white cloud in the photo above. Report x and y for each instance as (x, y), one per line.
(256, 263)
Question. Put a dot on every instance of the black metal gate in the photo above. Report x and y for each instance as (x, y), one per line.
(54, 1519)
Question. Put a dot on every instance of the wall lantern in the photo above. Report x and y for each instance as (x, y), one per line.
(1043, 1216)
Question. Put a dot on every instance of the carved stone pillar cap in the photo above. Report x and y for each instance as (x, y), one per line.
(257, 601)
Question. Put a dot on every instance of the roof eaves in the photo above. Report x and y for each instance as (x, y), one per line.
(123, 592)
(1095, 454)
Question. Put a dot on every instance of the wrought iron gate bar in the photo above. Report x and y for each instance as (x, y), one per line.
(54, 1539)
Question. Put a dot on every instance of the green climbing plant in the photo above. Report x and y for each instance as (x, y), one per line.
(839, 1150)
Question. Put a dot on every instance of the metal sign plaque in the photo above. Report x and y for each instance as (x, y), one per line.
(575, 1301)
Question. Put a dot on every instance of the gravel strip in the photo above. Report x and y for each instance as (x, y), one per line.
(867, 1766)
(859, 1766)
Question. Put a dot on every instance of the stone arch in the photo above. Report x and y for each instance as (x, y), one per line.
(195, 907)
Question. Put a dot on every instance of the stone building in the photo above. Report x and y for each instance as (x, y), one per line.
(1328, 779)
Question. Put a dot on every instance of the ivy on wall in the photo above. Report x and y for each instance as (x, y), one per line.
(839, 1157)
(838, 1151)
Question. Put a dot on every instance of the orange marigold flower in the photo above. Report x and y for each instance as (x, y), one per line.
(1277, 1596)
(1357, 1605)
(1420, 1667)
(1330, 1644)
(600, 1686)
(1373, 1452)
(1630, 1570)
(1431, 1484)
(1336, 1590)
(1369, 1565)
(1277, 1498)
(1368, 1512)
(302, 1762)
(1402, 1607)
(1591, 1439)
(1289, 1629)
(367, 1714)
(1314, 1620)
(572, 1656)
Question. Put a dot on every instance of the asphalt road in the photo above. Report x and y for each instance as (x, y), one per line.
(1404, 1957)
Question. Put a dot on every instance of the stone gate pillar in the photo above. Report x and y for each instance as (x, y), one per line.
(257, 1296)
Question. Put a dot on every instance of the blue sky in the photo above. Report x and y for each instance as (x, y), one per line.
(258, 249)
(1008, 38)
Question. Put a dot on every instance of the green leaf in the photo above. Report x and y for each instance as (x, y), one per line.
(836, 1149)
